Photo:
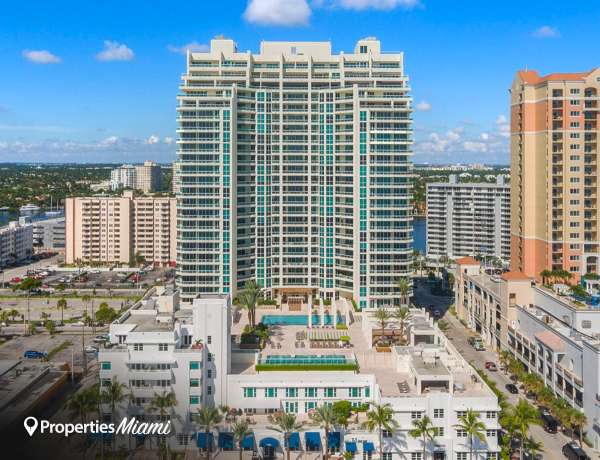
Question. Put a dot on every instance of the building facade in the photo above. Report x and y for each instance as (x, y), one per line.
(49, 234)
(554, 187)
(123, 177)
(116, 229)
(194, 353)
(16, 242)
(294, 170)
(148, 177)
(468, 219)
(556, 337)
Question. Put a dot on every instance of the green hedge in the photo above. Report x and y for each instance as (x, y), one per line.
(307, 367)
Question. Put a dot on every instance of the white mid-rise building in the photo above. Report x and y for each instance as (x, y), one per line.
(294, 171)
(123, 177)
(468, 219)
(16, 242)
(49, 234)
(195, 353)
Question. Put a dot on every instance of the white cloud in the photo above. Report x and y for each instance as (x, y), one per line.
(546, 32)
(41, 57)
(153, 139)
(111, 140)
(114, 51)
(471, 146)
(503, 126)
(278, 12)
(454, 134)
(168, 140)
(375, 4)
(191, 46)
(484, 136)
(424, 106)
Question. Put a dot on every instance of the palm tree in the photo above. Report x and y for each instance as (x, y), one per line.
(577, 420)
(113, 395)
(533, 447)
(380, 417)
(286, 424)
(404, 288)
(545, 274)
(163, 403)
(28, 285)
(241, 430)
(473, 426)
(77, 405)
(208, 417)
(401, 314)
(383, 317)
(505, 358)
(326, 418)
(248, 299)
(423, 428)
(524, 415)
(62, 304)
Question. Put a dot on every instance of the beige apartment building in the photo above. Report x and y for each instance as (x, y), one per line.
(148, 177)
(115, 229)
(554, 186)
(487, 303)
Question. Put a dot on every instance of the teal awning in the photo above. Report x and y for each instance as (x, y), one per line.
(248, 442)
(294, 441)
(368, 446)
(226, 441)
(351, 447)
(334, 440)
(313, 440)
(201, 440)
(269, 442)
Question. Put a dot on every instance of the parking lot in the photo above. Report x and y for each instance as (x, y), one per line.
(41, 307)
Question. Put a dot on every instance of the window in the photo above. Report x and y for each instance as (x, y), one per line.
(363, 49)
(183, 439)
(194, 399)
(250, 392)
(490, 415)
(386, 433)
(574, 101)
(491, 433)
(330, 392)
(416, 456)
(209, 390)
(209, 339)
(438, 413)
(163, 347)
(574, 91)
(310, 392)
(575, 113)
(460, 433)
(308, 405)
(209, 357)
(491, 455)
(105, 382)
(355, 392)
(138, 347)
(586, 324)
(416, 415)
(106, 366)
(439, 431)
(194, 383)
(291, 392)
(461, 413)
(209, 373)
(194, 365)
(270, 392)
(386, 456)
(461, 456)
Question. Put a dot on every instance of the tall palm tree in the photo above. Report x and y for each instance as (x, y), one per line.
(533, 447)
(326, 418)
(505, 358)
(380, 417)
(401, 315)
(241, 430)
(545, 274)
(163, 403)
(404, 288)
(62, 304)
(524, 415)
(286, 424)
(113, 395)
(577, 420)
(383, 317)
(77, 405)
(474, 428)
(208, 417)
(28, 285)
(248, 299)
(423, 428)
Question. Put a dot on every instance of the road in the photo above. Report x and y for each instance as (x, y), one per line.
(21, 272)
(459, 335)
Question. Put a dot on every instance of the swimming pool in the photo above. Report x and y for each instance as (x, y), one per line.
(305, 359)
(296, 320)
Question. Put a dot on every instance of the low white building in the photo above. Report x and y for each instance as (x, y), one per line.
(193, 353)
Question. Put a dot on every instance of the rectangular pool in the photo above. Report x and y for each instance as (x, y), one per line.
(297, 320)
(305, 359)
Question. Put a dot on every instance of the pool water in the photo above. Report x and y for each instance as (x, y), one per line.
(305, 359)
(295, 320)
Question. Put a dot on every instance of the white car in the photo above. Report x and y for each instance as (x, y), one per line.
(91, 349)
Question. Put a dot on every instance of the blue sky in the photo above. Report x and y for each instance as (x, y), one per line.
(96, 81)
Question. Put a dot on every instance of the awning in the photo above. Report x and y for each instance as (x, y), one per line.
(201, 440)
(333, 440)
(313, 440)
(269, 442)
(226, 441)
(368, 446)
(294, 441)
(248, 442)
(351, 447)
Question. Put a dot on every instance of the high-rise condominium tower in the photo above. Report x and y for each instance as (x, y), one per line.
(554, 176)
(294, 170)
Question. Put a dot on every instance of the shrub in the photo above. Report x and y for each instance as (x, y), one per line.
(341, 326)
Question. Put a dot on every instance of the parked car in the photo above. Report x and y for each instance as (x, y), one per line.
(479, 346)
(512, 388)
(491, 366)
(91, 349)
(573, 452)
(34, 354)
(550, 423)
(100, 338)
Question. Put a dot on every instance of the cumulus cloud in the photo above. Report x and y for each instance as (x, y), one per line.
(375, 4)
(472, 146)
(278, 12)
(114, 51)
(423, 106)
(546, 32)
(153, 139)
(41, 57)
(109, 149)
(191, 46)
(168, 140)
